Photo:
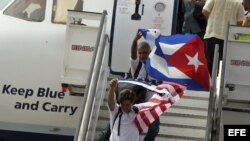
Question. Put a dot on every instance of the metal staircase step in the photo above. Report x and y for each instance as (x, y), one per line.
(170, 131)
(180, 133)
(201, 94)
(189, 121)
(192, 103)
(187, 111)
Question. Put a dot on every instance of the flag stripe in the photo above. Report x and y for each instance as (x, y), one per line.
(154, 114)
(169, 49)
(160, 110)
(145, 118)
(158, 62)
(163, 108)
(138, 124)
(149, 117)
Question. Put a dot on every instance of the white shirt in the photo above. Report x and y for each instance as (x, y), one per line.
(128, 130)
(134, 64)
(222, 12)
(142, 72)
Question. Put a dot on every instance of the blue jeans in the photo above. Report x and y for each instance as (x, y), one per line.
(153, 131)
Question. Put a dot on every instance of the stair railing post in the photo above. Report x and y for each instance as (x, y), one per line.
(82, 130)
(211, 106)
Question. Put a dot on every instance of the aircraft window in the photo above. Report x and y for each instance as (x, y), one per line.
(60, 8)
(3, 3)
(30, 10)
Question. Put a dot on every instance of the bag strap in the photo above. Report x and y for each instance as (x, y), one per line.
(137, 71)
(119, 111)
(117, 114)
(119, 124)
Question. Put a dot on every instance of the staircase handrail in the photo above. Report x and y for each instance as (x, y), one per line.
(212, 96)
(89, 94)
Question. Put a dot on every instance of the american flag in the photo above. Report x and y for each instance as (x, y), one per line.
(164, 96)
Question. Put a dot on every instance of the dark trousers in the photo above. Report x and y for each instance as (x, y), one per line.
(209, 51)
(201, 34)
(153, 131)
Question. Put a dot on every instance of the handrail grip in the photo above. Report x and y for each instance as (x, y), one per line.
(211, 106)
(220, 97)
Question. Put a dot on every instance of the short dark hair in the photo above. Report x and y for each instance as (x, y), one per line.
(144, 44)
(127, 94)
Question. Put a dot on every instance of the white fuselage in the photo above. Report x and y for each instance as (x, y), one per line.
(31, 64)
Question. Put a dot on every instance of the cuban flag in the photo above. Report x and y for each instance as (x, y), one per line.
(178, 58)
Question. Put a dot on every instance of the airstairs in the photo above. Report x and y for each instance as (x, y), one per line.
(195, 117)
(186, 120)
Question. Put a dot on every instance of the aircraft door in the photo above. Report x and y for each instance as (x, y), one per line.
(128, 17)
